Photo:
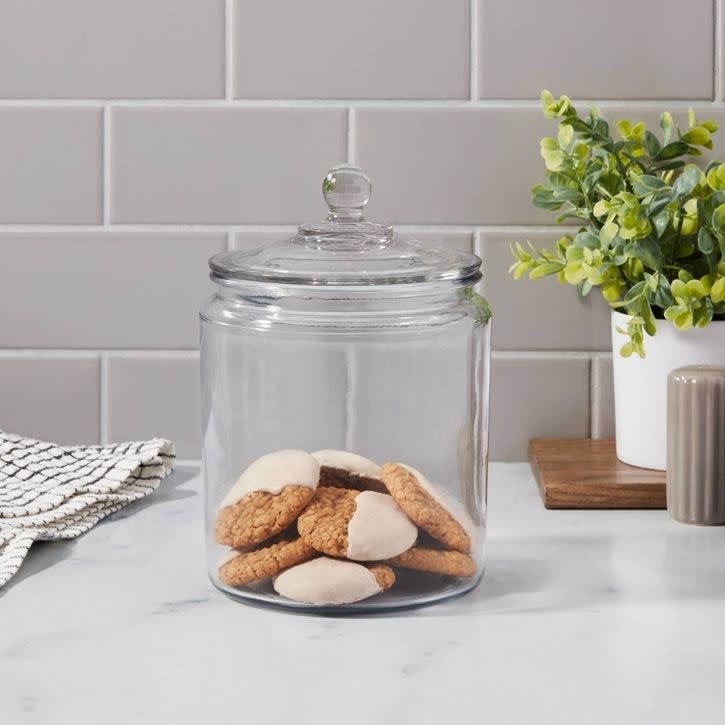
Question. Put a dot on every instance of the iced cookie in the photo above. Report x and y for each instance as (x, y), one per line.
(443, 519)
(333, 581)
(267, 498)
(360, 525)
(348, 470)
(244, 567)
(437, 561)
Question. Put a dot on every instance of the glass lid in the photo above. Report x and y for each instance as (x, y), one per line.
(345, 250)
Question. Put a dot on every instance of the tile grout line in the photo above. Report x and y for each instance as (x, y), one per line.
(90, 353)
(717, 50)
(350, 136)
(339, 103)
(193, 353)
(224, 227)
(106, 184)
(593, 399)
(474, 49)
(103, 399)
(541, 354)
(228, 50)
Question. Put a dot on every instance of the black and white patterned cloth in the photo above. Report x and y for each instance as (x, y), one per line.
(50, 492)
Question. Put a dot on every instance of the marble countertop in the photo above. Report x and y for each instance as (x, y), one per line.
(582, 617)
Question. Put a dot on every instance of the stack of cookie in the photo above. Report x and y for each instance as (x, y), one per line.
(331, 526)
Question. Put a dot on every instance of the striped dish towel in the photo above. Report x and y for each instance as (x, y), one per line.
(50, 492)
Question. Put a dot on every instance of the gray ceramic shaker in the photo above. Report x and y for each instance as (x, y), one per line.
(696, 445)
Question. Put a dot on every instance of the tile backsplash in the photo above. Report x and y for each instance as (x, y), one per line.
(138, 138)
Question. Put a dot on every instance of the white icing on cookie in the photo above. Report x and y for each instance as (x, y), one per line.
(327, 581)
(452, 506)
(271, 473)
(348, 462)
(378, 528)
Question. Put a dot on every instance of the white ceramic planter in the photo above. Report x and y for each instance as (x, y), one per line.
(640, 385)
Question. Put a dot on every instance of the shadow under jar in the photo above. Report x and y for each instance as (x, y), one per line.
(345, 376)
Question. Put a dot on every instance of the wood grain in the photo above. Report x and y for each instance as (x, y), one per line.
(582, 473)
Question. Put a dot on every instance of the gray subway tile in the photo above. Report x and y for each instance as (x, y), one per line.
(538, 314)
(218, 165)
(602, 398)
(328, 49)
(158, 396)
(562, 45)
(463, 165)
(536, 397)
(97, 289)
(451, 165)
(54, 398)
(50, 165)
(110, 49)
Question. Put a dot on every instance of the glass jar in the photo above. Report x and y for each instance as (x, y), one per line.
(345, 416)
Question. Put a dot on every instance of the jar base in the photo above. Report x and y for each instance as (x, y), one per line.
(413, 590)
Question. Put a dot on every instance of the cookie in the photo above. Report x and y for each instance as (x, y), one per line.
(348, 470)
(359, 525)
(244, 567)
(443, 519)
(333, 581)
(436, 561)
(266, 498)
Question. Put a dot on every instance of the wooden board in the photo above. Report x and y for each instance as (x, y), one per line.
(582, 473)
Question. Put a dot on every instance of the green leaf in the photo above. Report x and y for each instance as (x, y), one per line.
(601, 128)
(718, 219)
(608, 232)
(624, 127)
(635, 292)
(646, 184)
(661, 221)
(656, 206)
(565, 194)
(575, 214)
(686, 181)
(662, 296)
(545, 269)
(702, 316)
(672, 150)
(717, 293)
(566, 135)
(587, 239)
(649, 253)
(544, 199)
(705, 241)
(697, 135)
(681, 317)
(649, 319)
(667, 125)
(651, 143)
(667, 165)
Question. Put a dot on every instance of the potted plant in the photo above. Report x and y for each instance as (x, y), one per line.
(652, 239)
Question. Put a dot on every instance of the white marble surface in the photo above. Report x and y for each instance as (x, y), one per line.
(582, 618)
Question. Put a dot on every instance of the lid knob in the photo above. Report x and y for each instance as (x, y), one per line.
(346, 190)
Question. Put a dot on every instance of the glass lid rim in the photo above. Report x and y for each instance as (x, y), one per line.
(463, 266)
